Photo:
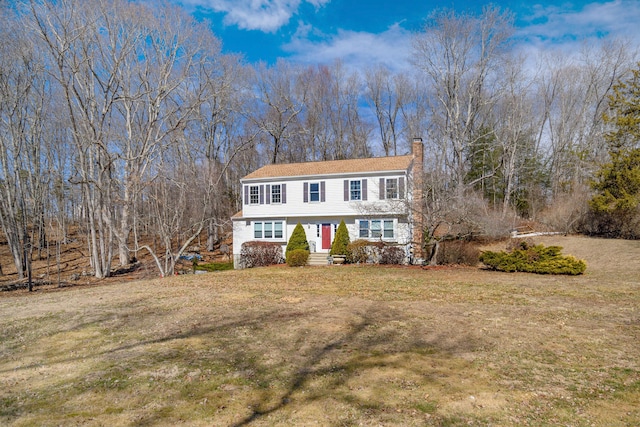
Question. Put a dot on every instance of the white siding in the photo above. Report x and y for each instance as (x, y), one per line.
(330, 211)
(334, 203)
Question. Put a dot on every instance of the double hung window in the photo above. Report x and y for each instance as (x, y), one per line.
(254, 194)
(355, 190)
(392, 188)
(276, 193)
(314, 191)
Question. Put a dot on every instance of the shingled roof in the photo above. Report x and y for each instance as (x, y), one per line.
(330, 167)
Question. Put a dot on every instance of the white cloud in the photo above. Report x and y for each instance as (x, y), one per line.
(554, 25)
(357, 50)
(263, 15)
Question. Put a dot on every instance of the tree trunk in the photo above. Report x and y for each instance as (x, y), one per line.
(212, 237)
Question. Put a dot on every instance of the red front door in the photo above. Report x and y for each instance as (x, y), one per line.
(326, 236)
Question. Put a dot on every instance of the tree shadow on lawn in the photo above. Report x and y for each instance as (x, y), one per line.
(372, 346)
(359, 338)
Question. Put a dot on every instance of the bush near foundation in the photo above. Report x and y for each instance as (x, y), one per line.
(260, 254)
(534, 259)
(392, 255)
(298, 240)
(363, 251)
(297, 258)
(340, 241)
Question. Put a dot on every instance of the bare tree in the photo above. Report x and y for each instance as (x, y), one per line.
(574, 91)
(23, 108)
(129, 77)
(281, 98)
(513, 133)
(460, 56)
(386, 94)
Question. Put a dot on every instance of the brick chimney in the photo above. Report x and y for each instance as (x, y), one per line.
(417, 208)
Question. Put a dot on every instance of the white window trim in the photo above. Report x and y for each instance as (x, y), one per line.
(279, 194)
(351, 190)
(319, 192)
(382, 229)
(397, 188)
(257, 194)
(273, 230)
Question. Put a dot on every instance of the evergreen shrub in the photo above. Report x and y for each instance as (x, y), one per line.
(534, 259)
(297, 258)
(340, 241)
(298, 240)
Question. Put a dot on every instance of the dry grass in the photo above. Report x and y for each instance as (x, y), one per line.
(332, 346)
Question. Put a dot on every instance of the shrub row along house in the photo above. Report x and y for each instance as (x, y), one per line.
(374, 196)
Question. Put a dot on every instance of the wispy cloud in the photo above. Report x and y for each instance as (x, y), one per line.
(551, 28)
(555, 25)
(357, 50)
(262, 15)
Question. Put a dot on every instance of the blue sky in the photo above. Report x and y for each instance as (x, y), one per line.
(373, 31)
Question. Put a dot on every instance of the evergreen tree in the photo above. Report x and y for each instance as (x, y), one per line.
(624, 114)
(298, 240)
(340, 241)
(616, 207)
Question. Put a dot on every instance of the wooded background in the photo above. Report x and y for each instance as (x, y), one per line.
(124, 120)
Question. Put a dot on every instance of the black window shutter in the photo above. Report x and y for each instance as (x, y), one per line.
(268, 198)
(364, 189)
(346, 190)
(322, 191)
(382, 193)
(305, 192)
(401, 188)
(246, 194)
(262, 194)
(284, 193)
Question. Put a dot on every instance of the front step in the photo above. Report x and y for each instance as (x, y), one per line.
(317, 258)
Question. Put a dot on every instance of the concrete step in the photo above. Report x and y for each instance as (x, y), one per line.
(317, 258)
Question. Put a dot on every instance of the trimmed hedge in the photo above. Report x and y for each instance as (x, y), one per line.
(297, 258)
(534, 259)
(260, 254)
(363, 251)
(367, 252)
(215, 266)
(392, 255)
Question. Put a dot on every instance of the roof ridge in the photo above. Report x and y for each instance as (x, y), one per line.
(326, 167)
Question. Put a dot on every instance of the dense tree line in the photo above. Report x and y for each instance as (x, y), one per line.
(124, 120)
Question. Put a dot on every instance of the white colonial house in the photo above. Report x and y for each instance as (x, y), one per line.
(373, 196)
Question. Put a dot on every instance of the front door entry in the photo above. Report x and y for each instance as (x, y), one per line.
(326, 236)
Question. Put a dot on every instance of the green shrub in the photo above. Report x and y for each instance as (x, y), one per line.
(297, 258)
(215, 266)
(298, 240)
(340, 241)
(534, 259)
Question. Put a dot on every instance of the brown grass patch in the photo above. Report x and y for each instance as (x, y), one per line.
(348, 345)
